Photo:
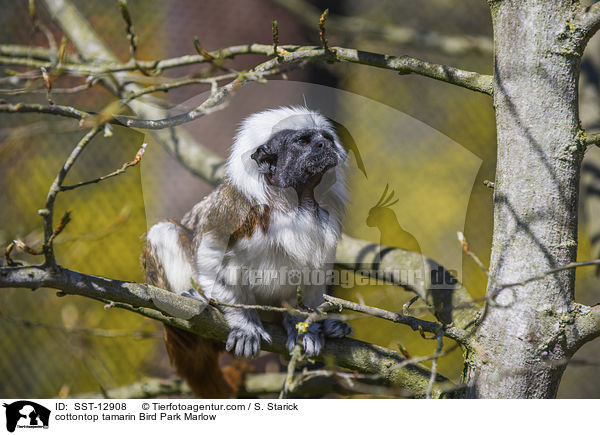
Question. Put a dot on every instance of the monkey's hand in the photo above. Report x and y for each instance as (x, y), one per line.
(246, 342)
(246, 332)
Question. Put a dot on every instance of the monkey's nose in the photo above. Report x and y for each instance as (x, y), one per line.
(321, 145)
(318, 148)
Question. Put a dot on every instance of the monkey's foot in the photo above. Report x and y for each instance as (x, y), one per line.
(336, 328)
(313, 343)
(313, 338)
(246, 342)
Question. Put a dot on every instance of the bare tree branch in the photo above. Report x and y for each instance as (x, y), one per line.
(295, 53)
(404, 65)
(67, 111)
(589, 20)
(415, 323)
(31, 52)
(190, 315)
(311, 383)
(208, 166)
(119, 171)
(73, 90)
(544, 274)
(355, 254)
(592, 139)
(48, 212)
(401, 35)
(92, 332)
(434, 361)
(124, 8)
(368, 259)
(587, 322)
(145, 389)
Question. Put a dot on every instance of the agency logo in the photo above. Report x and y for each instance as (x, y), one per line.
(26, 414)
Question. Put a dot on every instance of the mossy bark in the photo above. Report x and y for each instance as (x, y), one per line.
(521, 346)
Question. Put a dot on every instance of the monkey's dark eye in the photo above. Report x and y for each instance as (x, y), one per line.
(303, 141)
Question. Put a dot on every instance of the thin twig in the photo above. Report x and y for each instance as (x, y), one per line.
(361, 28)
(165, 87)
(406, 306)
(66, 111)
(40, 251)
(61, 226)
(300, 299)
(465, 247)
(415, 323)
(434, 361)
(75, 89)
(592, 139)
(48, 84)
(543, 275)
(9, 261)
(497, 287)
(48, 212)
(322, 34)
(97, 332)
(23, 247)
(421, 359)
(275, 31)
(265, 308)
(124, 8)
(39, 26)
(589, 20)
(119, 171)
(216, 62)
(211, 104)
(31, 52)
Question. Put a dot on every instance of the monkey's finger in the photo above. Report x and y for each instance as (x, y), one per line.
(313, 343)
(230, 342)
(265, 336)
(290, 344)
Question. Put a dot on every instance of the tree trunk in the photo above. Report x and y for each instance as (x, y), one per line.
(520, 348)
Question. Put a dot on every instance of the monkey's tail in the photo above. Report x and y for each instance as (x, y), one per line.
(196, 360)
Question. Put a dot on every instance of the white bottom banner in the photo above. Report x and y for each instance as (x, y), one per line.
(155, 416)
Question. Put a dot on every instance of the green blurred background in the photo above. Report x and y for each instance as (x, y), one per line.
(51, 346)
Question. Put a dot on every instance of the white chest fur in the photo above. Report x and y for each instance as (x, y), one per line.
(272, 261)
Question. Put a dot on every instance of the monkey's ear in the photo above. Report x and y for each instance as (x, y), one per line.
(262, 156)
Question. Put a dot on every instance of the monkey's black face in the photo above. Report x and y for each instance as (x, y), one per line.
(297, 158)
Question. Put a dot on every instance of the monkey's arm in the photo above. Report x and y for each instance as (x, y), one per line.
(217, 223)
(221, 280)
